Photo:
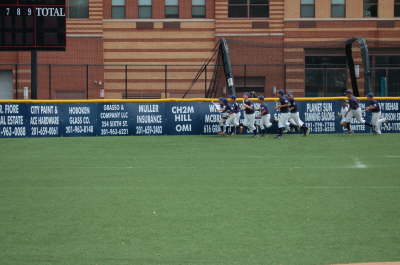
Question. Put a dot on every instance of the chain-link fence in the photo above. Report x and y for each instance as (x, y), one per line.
(55, 81)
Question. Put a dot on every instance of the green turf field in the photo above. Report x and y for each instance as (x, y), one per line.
(191, 200)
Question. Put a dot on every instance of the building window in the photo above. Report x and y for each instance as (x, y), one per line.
(118, 9)
(238, 8)
(397, 8)
(307, 8)
(370, 8)
(145, 9)
(338, 8)
(385, 75)
(250, 84)
(78, 9)
(198, 8)
(325, 76)
(248, 8)
(171, 8)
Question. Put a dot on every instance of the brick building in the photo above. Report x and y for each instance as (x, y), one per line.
(154, 48)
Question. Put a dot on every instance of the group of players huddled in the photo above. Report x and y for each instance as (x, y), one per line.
(257, 117)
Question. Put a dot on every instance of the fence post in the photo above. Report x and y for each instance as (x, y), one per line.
(245, 77)
(205, 80)
(34, 74)
(126, 81)
(16, 81)
(49, 81)
(87, 81)
(166, 81)
(284, 78)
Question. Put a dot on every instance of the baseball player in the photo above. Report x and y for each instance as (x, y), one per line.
(224, 115)
(236, 110)
(373, 106)
(227, 117)
(283, 108)
(257, 120)
(354, 111)
(343, 110)
(249, 115)
(265, 121)
(295, 117)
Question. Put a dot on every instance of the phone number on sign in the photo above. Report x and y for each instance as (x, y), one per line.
(321, 127)
(114, 131)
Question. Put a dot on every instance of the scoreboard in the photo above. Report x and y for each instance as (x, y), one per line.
(32, 25)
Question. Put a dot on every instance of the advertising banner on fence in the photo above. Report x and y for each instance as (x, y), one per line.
(162, 118)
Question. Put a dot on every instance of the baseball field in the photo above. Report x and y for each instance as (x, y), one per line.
(197, 200)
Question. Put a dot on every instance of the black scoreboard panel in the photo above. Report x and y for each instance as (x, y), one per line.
(32, 24)
(42, 2)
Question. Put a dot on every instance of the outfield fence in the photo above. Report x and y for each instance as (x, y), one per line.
(49, 118)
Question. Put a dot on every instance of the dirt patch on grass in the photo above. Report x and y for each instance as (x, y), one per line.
(372, 263)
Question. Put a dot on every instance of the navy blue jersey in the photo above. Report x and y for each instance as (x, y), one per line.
(226, 108)
(264, 109)
(292, 105)
(248, 102)
(283, 101)
(353, 103)
(375, 104)
(235, 107)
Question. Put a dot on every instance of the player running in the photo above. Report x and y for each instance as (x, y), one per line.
(354, 111)
(236, 110)
(265, 121)
(249, 115)
(376, 121)
(342, 114)
(295, 117)
(223, 109)
(283, 108)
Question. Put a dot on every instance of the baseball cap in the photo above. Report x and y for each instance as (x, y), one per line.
(261, 97)
(280, 92)
(348, 92)
(233, 97)
(370, 95)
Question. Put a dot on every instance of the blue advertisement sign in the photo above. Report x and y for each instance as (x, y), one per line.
(148, 118)
(165, 118)
(43, 120)
(13, 120)
(78, 119)
(113, 119)
(322, 116)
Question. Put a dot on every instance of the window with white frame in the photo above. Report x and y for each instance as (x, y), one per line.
(307, 8)
(171, 8)
(338, 8)
(118, 9)
(198, 8)
(145, 9)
